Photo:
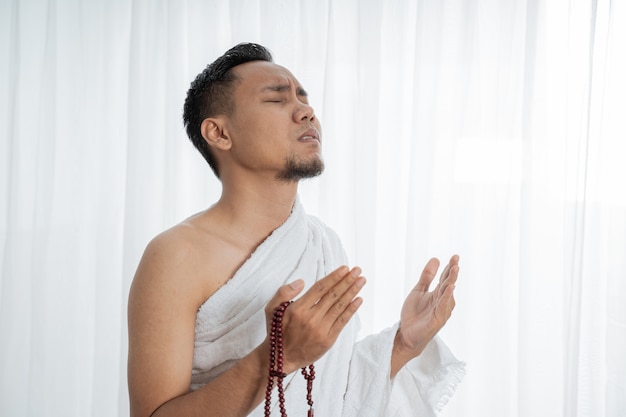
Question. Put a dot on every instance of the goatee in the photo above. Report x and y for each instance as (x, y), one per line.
(298, 169)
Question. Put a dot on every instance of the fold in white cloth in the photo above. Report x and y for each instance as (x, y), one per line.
(352, 378)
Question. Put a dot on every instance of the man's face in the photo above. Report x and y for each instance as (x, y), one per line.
(273, 129)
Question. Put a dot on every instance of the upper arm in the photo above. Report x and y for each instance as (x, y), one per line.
(161, 322)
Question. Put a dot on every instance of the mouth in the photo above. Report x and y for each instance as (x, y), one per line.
(311, 135)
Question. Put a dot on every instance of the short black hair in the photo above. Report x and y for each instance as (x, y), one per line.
(210, 93)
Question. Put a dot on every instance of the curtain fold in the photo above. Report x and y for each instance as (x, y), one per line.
(490, 129)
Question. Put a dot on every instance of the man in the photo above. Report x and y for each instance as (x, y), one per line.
(206, 289)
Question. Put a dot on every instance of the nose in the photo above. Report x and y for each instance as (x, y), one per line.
(303, 112)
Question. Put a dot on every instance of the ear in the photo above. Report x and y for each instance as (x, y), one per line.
(214, 134)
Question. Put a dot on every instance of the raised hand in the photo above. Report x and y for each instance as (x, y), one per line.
(425, 312)
(313, 322)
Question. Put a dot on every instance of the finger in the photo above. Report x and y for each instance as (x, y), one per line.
(442, 280)
(333, 307)
(428, 274)
(445, 304)
(454, 275)
(454, 260)
(445, 275)
(451, 283)
(321, 287)
(345, 316)
(450, 280)
(285, 293)
(340, 294)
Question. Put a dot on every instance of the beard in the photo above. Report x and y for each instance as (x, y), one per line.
(298, 169)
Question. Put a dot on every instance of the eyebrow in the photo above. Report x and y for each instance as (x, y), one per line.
(279, 88)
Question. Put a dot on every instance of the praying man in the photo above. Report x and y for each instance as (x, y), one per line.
(203, 300)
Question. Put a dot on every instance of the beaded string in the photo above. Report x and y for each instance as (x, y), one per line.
(276, 366)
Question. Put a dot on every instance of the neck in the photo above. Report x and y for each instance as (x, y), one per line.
(255, 207)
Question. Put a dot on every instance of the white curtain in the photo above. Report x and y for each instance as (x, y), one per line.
(493, 129)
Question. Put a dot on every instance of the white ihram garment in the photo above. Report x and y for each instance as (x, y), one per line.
(352, 378)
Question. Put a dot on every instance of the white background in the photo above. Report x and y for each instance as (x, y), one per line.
(492, 129)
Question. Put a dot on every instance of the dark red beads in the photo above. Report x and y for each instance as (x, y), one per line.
(276, 366)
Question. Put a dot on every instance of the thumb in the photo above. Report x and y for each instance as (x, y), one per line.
(285, 293)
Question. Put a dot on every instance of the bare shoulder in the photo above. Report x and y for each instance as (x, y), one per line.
(185, 260)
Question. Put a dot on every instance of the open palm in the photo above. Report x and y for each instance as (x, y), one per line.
(425, 312)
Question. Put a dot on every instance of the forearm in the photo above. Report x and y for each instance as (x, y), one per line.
(234, 393)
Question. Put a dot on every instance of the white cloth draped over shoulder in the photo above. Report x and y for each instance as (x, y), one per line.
(352, 378)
